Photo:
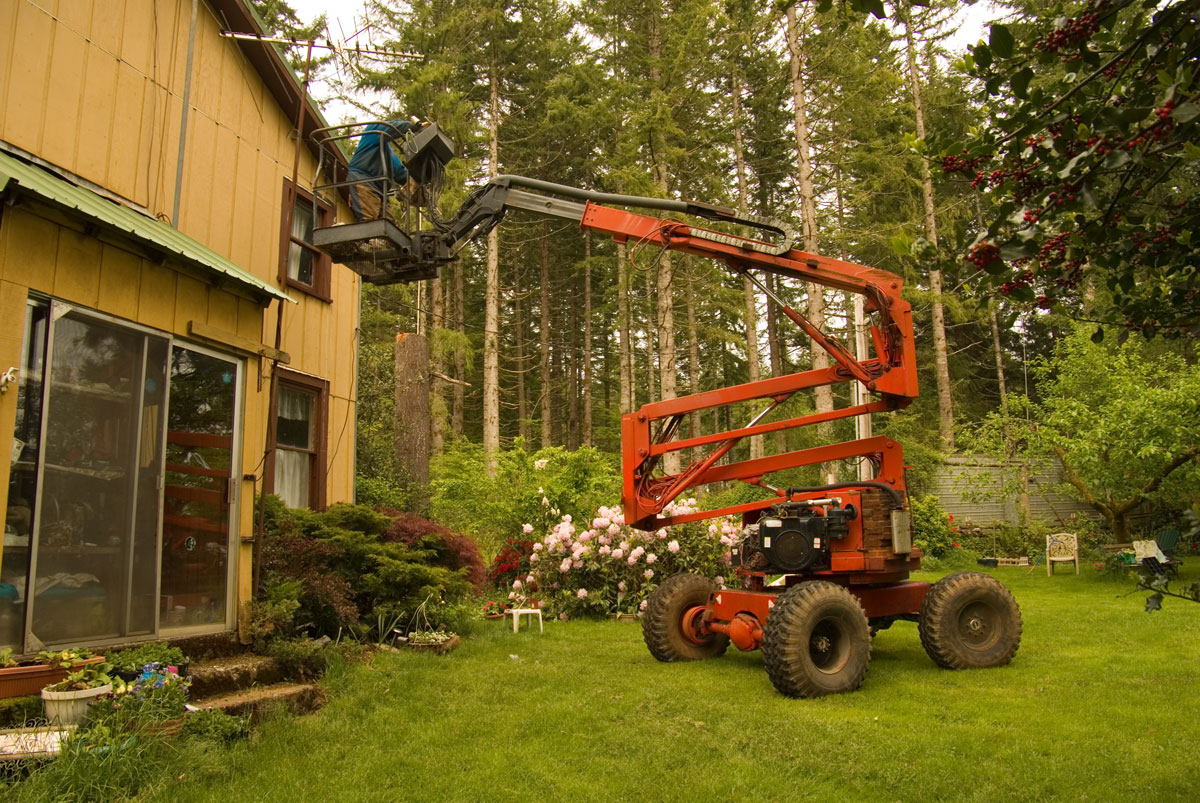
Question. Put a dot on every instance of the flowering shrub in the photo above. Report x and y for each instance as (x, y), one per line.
(932, 529)
(511, 562)
(609, 567)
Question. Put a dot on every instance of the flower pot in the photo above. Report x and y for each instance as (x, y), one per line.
(19, 681)
(70, 707)
(166, 728)
(494, 616)
(625, 617)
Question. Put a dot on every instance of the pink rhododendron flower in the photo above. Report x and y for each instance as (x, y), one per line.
(632, 560)
(567, 518)
(578, 564)
(625, 546)
(605, 549)
(526, 528)
(581, 593)
(618, 554)
(637, 552)
(533, 558)
(648, 573)
(621, 586)
(562, 617)
(673, 547)
(642, 607)
(600, 522)
(537, 547)
(516, 585)
(529, 579)
(565, 566)
(614, 529)
(540, 464)
(720, 581)
(651, 558)
(662, 535)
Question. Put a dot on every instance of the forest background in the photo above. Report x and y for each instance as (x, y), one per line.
(846, 120)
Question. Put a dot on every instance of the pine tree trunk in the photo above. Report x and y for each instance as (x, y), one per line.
(775, 351)
(665, 317)
(625, 325)
(571, 367)
(460, 355)
(693, 349)
(491, 325)
(652, 365)
(822, 394)
(750, 318)
(519, 336)
(544, 399)
(940, 358)
(587, 340)
(994, 315)
(437, 405)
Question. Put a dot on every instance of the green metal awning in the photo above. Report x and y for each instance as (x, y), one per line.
(147, 230)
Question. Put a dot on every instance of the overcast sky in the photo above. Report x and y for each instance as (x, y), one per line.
(969, 27)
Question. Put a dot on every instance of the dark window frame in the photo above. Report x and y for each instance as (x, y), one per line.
(317, 481)
(322, 266)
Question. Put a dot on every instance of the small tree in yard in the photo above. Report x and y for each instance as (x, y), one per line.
(1123, 421)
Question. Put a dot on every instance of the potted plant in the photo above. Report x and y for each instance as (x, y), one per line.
(21, 679)
(495, 609)
(129, 664)
(67, 701)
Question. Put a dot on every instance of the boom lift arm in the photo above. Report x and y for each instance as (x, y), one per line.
(384, 253)
(650, 433)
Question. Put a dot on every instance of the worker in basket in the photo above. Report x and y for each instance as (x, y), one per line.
(375, 159)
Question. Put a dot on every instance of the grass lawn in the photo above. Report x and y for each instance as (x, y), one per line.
(1100, 703)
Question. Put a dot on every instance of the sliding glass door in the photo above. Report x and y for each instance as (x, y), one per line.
(202, 442)
(95, 555)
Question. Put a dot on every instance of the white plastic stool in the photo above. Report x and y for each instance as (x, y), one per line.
(516, 614)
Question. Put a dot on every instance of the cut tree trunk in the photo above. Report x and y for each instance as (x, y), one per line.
(412, 406)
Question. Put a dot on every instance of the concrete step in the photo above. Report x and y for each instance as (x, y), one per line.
(299, 698)
(232, 673)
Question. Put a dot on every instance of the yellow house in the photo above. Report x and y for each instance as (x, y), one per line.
(168, 348)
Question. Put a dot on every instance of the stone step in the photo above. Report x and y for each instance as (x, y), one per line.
(232, 673)
(299, 698)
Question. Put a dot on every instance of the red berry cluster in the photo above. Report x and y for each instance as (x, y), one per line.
(1019, 282)
(961, 164)
(983, 255)
(1074, 31)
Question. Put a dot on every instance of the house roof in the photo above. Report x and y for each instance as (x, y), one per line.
(158, 236)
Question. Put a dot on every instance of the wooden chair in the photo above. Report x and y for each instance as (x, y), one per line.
(1061, 548)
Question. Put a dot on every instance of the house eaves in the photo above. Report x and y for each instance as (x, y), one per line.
(18, 176)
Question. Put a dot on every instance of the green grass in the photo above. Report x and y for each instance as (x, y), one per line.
(1100, 704)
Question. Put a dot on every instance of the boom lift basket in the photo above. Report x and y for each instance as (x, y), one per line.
(379, 246)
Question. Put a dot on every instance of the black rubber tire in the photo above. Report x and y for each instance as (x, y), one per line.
(816, 641)
(969, 620)
(662, 623)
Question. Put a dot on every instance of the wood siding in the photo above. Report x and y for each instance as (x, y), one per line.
(94, 88)
(974, 490)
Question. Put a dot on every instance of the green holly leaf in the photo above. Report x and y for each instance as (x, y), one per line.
(1020, 83)
(1001, 41)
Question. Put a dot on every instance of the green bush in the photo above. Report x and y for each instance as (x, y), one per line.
(154, 652)
(335, 571)
(491, 509)
(931, 526)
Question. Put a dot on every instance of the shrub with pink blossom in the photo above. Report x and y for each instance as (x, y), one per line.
(609, 567)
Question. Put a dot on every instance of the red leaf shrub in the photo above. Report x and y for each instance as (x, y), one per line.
(454, 551)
